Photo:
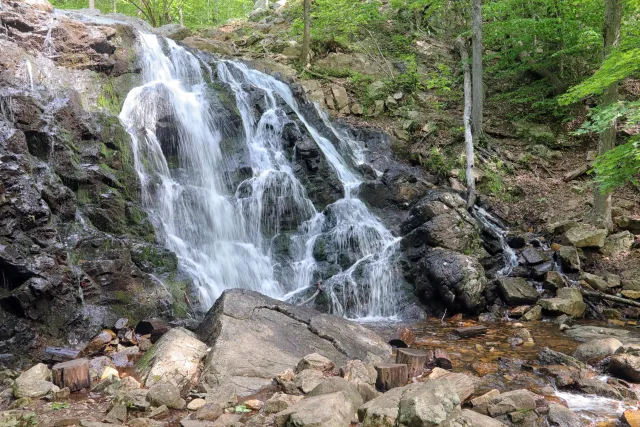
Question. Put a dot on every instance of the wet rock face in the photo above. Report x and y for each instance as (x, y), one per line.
(441, 247)
(73, 234)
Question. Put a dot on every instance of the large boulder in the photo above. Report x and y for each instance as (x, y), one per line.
(327, 410)
(568, 301)
(563, 417)
(569, 258)
(350, 61)
(33, 383)
(173, 31)
(586, 236)
(254, 338)
(618, 243)
(594, 351)
(516, 291)
(512, 401)
(174, 359)
(626, 366)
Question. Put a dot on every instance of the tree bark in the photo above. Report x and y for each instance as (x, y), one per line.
(477, 85)
(468, 136)
(92, 4)
(611, 35)
(306, 39)
(73, 374)
(414, 359)
(391, 375)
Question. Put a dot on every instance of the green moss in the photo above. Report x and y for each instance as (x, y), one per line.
(109, 99)
(178, 291)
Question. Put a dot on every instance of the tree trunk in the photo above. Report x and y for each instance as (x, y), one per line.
(73, 374)
(611, 34)
(468, 136)
(477, 86)
(391, 375)
(92, 4)
(414, 359)
(306, 39)
(115, 6)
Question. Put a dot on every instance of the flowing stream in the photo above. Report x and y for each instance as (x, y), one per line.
(223, 234)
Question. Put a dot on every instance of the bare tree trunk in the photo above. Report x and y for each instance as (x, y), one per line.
(477, 85)
(92, 4)
(611, 34)
(115, 8)
(306, 39)
(468, 137)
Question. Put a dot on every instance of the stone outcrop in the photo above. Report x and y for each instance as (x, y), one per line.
(567, 300)
(254, 338)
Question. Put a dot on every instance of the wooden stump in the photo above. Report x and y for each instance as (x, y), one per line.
(414, 359)
(391, 375)
(73, 374)
(402, 338)
(154, 327)
(442, 359)
(471, 331)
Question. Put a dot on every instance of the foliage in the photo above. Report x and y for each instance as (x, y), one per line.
(56, 406)
(195, 13)
(328, 23)
(619, 166)
(242, 408)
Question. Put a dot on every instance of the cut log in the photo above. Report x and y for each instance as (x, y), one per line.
(391, 375)
(471, 331)
(576, 173)
(442, 359)
(153, 327)
(402, 338)
(73, 374)
(414, 359)
(58, 354)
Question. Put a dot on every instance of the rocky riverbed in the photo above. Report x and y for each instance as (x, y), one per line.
(255, 361)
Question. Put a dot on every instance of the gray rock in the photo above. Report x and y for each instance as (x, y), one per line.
(280, 401)
(307, 380)
(173, 31)
(174, 359)
(534, 256)
(618, 243)
(165, 394)
(350, 61)
(587, 333)
(357, 371)
(586, 236)
(512, 401)
(535, 313)
(327, 410)
(568, 301)
(341, 96)
(338, 384)
(428, 406)
(562, 417)
(546, 356)
(516, 291)
(554, 280)
(594, 351)
(316, 362)
(255, 338)
(145, 422)
(33, 383)
(596, 282)
(625, 366)
(569, 258)
(474, 419)
(209, 412)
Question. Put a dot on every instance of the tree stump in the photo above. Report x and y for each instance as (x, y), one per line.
(73, 374)
(414, 359)
(391, 375)
(442, 359)
(471, 331)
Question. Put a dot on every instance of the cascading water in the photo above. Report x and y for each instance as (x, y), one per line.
(224, 236)
(493, 226)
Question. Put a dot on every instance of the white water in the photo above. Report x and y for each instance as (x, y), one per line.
(492, 225)
(29, 74)
(592, 407)
(223, 236)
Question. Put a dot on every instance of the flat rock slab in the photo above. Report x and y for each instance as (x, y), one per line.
(471, 331)
(254, 338)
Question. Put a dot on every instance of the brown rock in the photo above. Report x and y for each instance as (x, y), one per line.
(98, 343)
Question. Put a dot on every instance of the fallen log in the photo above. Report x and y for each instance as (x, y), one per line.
(470, 331)
(59, 354)
(414, 359)
(402, 338)
(569, 176)
(600, 295)
(391, 375)
(154, 327)
(442, 359)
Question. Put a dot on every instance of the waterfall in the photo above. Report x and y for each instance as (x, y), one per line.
(29, 74)
(494, 226)
(224, 234)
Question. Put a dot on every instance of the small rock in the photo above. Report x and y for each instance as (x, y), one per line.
(596, 350)
(196, 404)
(308, 379)
(121, 323)
(534, 256)
(280, 401)
(254, 404)
(516, 291)
(340, 95)
(617, 244)
(481, 404)
(108, 372)
(156, 412)
(145, 422)
(625, 366)
(534, 314)
(512, 401)
(554, 280)
(594, 281)
(98, 343)
(116, 415)
(316, 362)
(568, 301)
(569, 258)
(632, 417)
(165, 394)
(61, 395)
(357, 109)
(209, 412)
(357, 371)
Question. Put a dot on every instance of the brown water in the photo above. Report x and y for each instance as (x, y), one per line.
(505, 367)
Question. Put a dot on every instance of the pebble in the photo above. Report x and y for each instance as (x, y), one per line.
(196, 404)
(254, 404)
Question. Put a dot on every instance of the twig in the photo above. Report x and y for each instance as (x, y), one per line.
(311, 298)
(445, 313)
(593, 307)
